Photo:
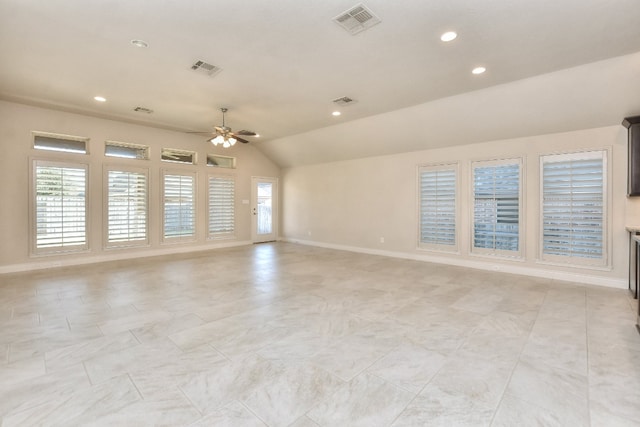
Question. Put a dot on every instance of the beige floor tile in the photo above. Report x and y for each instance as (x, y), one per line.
(22, 370)
(36, 391)
(232, 415)
(604, 418)
(81, 407)
(283, 334)
(409, 366)
(88, 349)
(563, 394)
(227, 381)
(304, 422)
(168, 409)
(516, 412)
(365, 401)
(290, 395)
(437, 407)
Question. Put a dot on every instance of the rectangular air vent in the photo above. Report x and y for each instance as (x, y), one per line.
(143, 110)
(345, 100)
(357, 19)
(206, 68)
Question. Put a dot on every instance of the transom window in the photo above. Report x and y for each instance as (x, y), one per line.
(63, 143)
(126, 150)
(178, 156)
(221, 161)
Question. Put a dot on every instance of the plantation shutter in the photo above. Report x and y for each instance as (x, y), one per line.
(179, 206)
(438, 207)
(573, 206)
(221, 205)
(126, 206)
(61, 205)
(496, 212)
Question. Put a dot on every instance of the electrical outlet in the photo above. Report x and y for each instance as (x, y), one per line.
(382, 240)
(309, 233)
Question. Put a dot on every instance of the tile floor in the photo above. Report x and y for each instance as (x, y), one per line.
(287, 335)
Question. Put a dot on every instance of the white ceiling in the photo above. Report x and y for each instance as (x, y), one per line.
(283, 61)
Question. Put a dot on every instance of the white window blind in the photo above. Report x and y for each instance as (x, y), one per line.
(574, 207)
(221, 206)
(438, 207)
(496, 208)
(179, 206)
(126, 207)
(60, 207)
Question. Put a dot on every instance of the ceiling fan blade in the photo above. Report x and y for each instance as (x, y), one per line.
(203, 133)
(219, 129)
(246, 133)
(244, 141)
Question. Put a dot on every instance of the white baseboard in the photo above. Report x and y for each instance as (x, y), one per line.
(586, 279)
(43, 263)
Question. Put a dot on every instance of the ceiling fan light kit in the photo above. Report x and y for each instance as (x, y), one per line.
(226, 142)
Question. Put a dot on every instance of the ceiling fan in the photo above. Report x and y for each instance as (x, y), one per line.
(225, 136)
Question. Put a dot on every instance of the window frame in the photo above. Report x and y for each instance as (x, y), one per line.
(493, 252)
(224, 234)
(455, 167)
(35, 251)
(127, 243)
(181, 238)
(590, 263)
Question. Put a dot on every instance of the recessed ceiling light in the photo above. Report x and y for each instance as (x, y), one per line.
(140, 43)
(336, 113)
(448, 36)
(257, 135)
(100, 98)
(478, 70)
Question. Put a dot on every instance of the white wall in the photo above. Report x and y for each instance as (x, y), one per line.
(352, 204)
(16, 141)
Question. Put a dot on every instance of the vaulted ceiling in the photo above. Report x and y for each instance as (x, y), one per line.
(282, 62)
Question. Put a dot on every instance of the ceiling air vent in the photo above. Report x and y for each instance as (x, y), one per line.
(357, 19)
(143, 110)
(206, 68)
(345, 100)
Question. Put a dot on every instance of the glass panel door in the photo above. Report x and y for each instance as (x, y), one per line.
(264, 209)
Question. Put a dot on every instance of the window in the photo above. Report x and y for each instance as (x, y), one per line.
(574, 208)
(64, 143)
(221, 206)
(126, 206)
(178, 156)
(221, 161)
(496, 207)
(126, 150)
(60, 207)
(438, 207)
(179, 206)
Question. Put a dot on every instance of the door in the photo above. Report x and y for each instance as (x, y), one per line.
(264, 212)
